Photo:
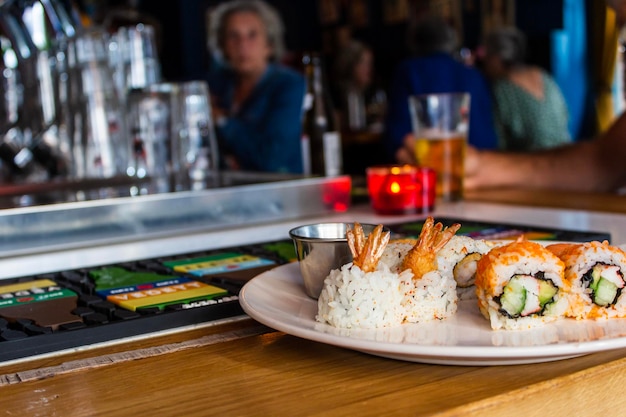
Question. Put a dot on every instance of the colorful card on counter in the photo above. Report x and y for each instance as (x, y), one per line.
(283, 249)
(133, 290)
(42, 301)
(218, 264)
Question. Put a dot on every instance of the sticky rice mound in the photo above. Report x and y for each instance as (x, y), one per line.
(433, 297)
(394, 254)
(352, 298)
(388, 296)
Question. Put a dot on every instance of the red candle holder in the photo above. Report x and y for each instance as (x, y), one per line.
(401, 189)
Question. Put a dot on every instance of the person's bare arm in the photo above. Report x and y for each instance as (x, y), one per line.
(596, 165)
(566, 168)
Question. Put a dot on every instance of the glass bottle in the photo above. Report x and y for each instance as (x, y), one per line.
(320, 128)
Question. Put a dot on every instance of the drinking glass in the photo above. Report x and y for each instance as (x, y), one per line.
(134, 58)
(97, 124)
(440, 125)
(152, 127)
(173, 137)
(197, 152)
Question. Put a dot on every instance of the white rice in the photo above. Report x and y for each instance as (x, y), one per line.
(351, 298)
(386, 297)
(432, 297)
(429, 298)
(394, 255)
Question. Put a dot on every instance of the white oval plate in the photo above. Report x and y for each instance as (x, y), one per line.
(277, 299)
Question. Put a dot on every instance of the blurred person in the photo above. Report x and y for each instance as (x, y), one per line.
(256, 102)
(530, 111)
(595, 165)
(362, 103)
(435, 70)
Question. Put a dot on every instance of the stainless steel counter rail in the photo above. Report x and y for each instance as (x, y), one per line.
(65, 226)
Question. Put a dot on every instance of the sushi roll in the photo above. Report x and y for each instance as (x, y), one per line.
(432, 297)
(430, 294)
(520, 285)
(363, 293)
(353, 299)
(459, 258)
(595, 272)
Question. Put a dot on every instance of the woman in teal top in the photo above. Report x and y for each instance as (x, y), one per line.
(529, 109)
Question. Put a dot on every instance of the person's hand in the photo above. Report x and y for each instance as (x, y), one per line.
(406, 153)
(472, 168)
(490, 169)
(473, 161)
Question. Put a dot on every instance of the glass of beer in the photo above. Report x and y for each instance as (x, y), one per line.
(440, 124)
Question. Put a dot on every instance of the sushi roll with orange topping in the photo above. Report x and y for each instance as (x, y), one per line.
(520, 285)
(595, 272)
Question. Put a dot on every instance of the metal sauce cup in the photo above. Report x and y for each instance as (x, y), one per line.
(321, 248)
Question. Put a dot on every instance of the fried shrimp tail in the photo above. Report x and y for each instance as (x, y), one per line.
(422, 258)
(367, 252)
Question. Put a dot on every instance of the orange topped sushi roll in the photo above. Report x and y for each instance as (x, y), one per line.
(595, 272)
(520, 285)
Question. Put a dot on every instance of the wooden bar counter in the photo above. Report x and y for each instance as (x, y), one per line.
(240, 367)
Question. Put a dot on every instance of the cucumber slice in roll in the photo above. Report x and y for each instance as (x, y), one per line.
(547, 291)
(524, 295)
(513, 298)
(605, 293)
(605, 282)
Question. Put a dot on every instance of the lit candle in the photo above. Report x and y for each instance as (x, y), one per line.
(400, 189)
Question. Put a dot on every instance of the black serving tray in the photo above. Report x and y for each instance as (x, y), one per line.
(94, 325)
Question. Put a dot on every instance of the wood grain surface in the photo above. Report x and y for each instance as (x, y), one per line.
(603, 202)
(278, 374)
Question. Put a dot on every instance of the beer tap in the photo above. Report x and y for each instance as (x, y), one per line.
(17, 56)
(37, 29)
